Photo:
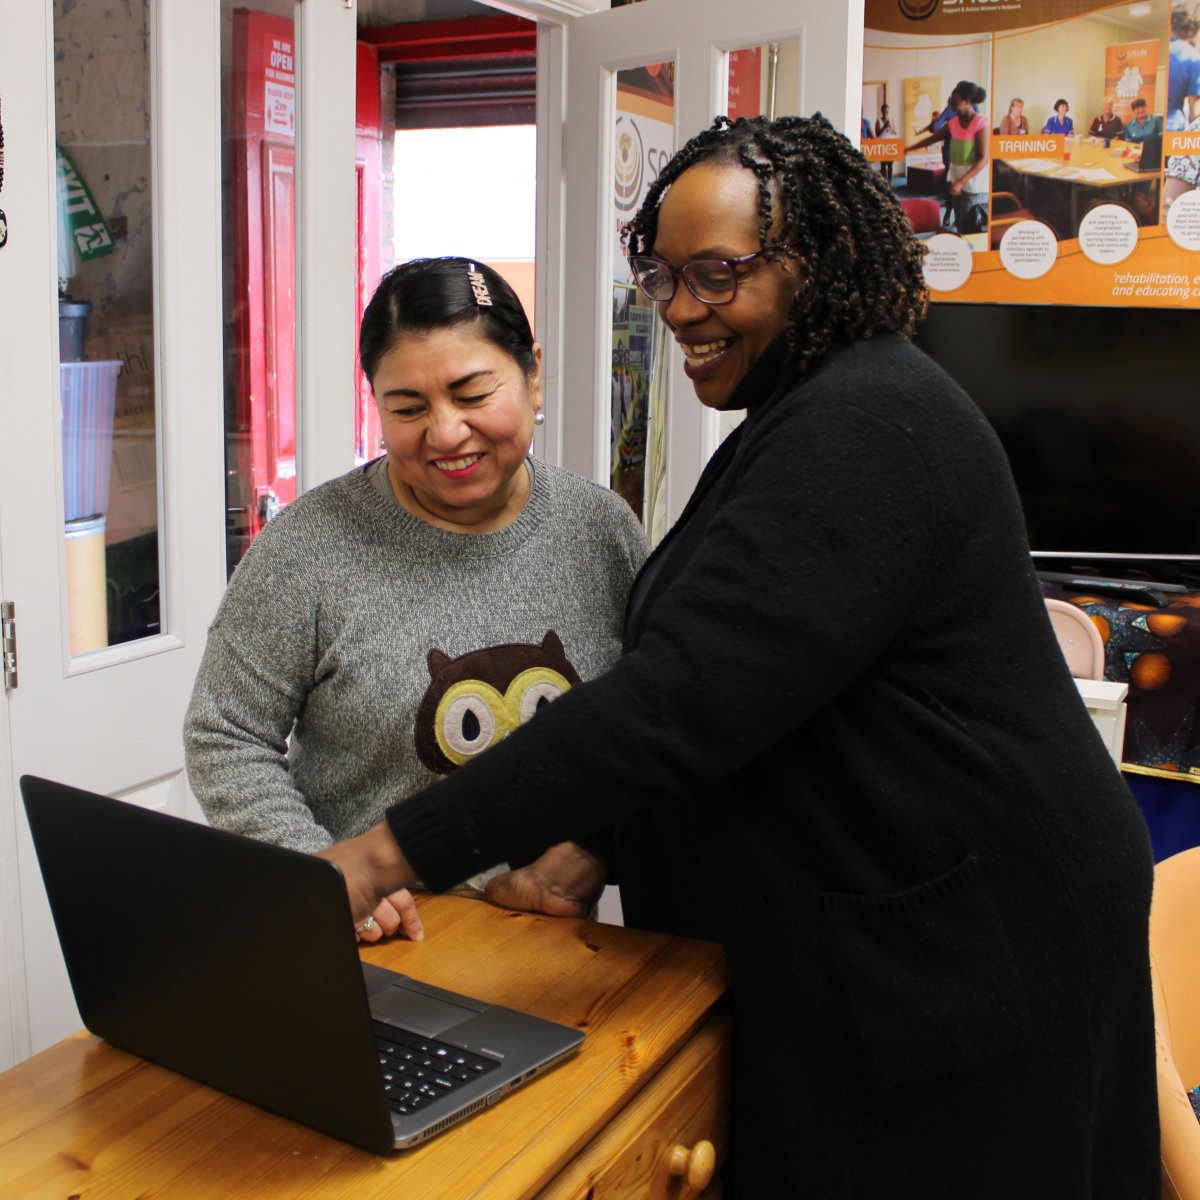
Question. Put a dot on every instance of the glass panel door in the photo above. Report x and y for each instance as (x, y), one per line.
(644, 139)
(696, 36)
(107, 381)
(445, 152)
(258, 80)
(758, 78)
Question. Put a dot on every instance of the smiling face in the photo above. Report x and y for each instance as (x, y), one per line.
(1015, 109)
(711, 211)
(457, 420)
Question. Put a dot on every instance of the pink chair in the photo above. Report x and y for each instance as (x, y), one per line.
(1079, 638)
(924, 213)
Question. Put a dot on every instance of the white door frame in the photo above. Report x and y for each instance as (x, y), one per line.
(325, 243)
(574, 247)
(110, 720)
(14, 1008)
(325, 240)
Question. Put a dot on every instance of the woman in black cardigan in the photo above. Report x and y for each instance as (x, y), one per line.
(842, 739)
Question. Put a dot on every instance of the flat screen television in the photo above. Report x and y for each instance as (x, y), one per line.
(1099, 412)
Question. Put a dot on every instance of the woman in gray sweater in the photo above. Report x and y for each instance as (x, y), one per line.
(391, 624)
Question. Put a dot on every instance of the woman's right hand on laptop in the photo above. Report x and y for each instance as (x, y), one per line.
(396, 913)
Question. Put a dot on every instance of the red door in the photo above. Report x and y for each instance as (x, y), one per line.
(261, 412)
(368, 167)
(261, 416)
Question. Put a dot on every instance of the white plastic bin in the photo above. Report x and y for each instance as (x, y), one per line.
(89, 396)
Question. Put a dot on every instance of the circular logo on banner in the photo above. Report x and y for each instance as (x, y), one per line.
(1183, 221)
(918, 10)
(1108, 234)
(1028, 249)
(628, 161)
(947, 264)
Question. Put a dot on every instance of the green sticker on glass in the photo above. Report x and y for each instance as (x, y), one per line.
(81, 220)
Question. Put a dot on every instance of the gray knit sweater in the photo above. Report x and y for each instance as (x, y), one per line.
(307, 719)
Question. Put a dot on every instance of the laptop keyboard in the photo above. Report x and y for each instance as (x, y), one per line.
(417, 1070)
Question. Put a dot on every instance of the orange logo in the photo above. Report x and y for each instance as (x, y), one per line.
(628, 165)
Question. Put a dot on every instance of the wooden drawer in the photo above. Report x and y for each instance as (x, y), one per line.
(688, 1100)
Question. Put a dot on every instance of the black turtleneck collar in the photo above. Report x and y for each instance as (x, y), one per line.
(764, 377)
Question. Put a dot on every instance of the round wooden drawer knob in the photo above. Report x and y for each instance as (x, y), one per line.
(698, 1164)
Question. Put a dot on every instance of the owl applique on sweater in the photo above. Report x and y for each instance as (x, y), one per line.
(478, 699)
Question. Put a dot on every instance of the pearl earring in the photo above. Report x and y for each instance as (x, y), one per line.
(539, 417)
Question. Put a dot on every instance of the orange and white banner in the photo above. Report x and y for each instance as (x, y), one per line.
(883, 149)
(1070, 218)
(1129, 73)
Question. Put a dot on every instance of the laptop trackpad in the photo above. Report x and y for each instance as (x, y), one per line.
(423, 1014)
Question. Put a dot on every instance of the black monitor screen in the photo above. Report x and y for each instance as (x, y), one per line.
(1099, 411)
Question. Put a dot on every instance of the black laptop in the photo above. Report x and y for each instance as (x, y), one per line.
(1151, 157)
(234, 962)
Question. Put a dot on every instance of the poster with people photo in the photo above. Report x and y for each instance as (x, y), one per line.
(1047, 151)
(644, 138)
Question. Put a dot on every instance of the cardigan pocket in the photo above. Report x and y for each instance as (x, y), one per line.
(930, 981)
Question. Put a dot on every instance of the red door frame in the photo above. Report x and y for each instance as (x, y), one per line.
(477, 37)
(261, 458)
(368, 171)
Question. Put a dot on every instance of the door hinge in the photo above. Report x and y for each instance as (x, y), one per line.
(8, 631)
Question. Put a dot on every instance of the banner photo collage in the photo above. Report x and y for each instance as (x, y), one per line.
(644, 141)
(1047, 151)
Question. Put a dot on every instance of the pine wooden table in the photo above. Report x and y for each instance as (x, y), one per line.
(85, 1121)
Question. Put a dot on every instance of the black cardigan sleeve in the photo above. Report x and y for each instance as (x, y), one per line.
(823, 502)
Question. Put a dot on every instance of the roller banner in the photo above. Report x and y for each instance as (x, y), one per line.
(1047, 151)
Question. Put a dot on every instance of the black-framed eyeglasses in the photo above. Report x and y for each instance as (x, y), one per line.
(710, 280)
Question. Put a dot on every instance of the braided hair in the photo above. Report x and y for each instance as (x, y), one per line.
(821, 205)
